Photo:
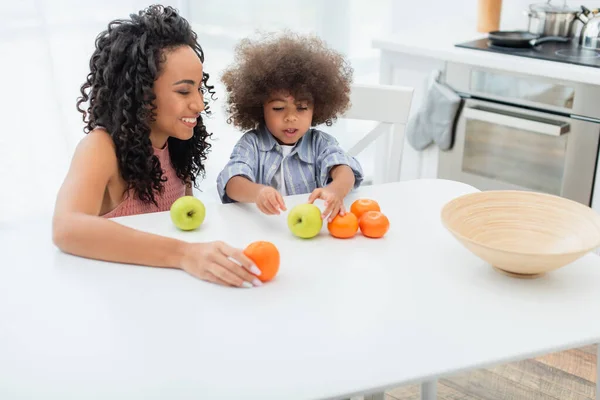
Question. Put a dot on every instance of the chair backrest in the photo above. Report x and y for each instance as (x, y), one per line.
(390, 106)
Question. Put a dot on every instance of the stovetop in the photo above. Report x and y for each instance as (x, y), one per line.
(569, 52)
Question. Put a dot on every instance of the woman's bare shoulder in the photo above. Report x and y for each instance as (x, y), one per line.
(96, 151)
(100, 140)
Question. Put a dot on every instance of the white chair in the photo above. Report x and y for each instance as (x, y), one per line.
(390, 106)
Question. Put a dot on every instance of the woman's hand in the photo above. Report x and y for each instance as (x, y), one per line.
(219, 263)
(270, 201)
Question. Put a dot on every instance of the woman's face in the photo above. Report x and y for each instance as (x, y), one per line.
(179, 100)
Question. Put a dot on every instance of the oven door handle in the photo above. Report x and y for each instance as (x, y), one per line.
(516, 122)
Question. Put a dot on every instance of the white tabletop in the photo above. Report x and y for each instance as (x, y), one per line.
(341, 318)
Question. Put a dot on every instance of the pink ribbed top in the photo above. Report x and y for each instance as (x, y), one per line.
(174, 188)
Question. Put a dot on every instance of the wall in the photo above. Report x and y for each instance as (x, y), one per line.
(462, 14)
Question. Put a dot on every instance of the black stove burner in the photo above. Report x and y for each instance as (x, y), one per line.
(569, 52)
(577, 53)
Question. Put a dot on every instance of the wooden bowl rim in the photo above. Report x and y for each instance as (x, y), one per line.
(594, 216)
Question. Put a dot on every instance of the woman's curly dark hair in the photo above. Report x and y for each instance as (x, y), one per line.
(127, 60)
(302, 66)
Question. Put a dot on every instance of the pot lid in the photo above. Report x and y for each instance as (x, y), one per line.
(553, 8)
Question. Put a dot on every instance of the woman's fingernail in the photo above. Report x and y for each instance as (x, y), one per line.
(254, 269)
(256, 282)
(246, 285)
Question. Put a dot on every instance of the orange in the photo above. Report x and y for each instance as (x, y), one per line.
(373, 224)
(266, 257)
(361, 206)
(343, 227)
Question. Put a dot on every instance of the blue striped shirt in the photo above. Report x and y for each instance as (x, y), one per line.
(257, 156)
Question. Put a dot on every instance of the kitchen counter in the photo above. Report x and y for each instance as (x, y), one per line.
(432, 44)
(407, 59)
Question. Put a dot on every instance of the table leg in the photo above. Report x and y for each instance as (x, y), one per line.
(375, 396)
(429, 390)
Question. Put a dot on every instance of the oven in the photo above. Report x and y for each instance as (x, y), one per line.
(523, 132)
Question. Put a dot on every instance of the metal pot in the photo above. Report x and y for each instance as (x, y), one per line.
(590, 34)
(547, 19)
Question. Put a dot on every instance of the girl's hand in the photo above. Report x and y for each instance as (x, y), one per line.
(334, 201)
(219, 263)
(270, 201)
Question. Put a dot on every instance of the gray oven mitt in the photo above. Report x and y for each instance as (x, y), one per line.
(434, 121)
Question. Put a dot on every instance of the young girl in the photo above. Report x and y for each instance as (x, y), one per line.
(278, 88)
(145, 145)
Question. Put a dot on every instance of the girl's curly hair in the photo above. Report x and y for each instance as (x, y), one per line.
(302, 66)
(126, 62)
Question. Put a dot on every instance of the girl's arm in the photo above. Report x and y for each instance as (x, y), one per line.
(267, 199)
(338, 174)
(241, 189)
(235, 182)
(342, 179)
(77, 229)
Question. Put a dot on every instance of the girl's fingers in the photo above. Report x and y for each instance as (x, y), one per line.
(334, 212)
(261, 208)
(328, 209)
(266, 207)
(281, 202)
(342, 210)
(314, 195)
(274, 204)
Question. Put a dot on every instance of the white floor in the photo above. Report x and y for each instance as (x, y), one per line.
(45, 48)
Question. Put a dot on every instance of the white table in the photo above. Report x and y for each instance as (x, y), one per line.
(342, 318)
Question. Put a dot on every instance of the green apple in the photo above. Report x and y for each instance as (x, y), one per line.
(187, 213)
(304, 220)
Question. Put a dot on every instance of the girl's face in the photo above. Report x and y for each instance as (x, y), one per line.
(179, 100)
(286, 118)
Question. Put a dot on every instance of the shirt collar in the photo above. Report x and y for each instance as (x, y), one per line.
(266, 142)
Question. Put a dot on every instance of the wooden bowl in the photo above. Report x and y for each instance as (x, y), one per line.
(521, 233)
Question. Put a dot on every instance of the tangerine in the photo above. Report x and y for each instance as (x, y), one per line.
(361, 206)
(266, 257)
(374, 224)
(343, 227)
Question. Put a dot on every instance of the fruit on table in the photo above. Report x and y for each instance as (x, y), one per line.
(266, 257)
(343, 227)
(304, 220)
(361, 206)
(373, 224)
(187, 213)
